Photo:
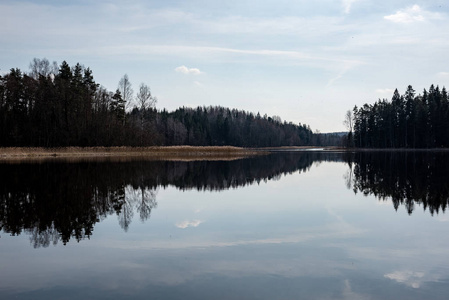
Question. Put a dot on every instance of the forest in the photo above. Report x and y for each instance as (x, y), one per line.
(61, 105)
(407, 121)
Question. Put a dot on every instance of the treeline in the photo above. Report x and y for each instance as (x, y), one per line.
(407, 121)
(224, 126)
(59, 105)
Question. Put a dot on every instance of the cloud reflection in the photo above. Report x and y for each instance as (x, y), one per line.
(413, 279)
(186, 224)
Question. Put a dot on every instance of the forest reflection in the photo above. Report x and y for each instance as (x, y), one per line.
(409, 178)
(58, 201)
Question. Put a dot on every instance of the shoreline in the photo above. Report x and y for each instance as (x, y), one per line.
(395, 149)
(165, 152)
(174, 152)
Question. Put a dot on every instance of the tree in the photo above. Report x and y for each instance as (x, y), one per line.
(125, 88)
(145, 101)
(406, 121)
(144, 98)
(118, 106)
(64, 106)
(42, 67)
(348, 122)
(410, 116)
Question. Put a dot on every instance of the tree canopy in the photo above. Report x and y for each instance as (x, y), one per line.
(407, 121)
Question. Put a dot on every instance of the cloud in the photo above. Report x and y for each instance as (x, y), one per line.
(185, 224)
(335, 61)
(339, 75)
(185, 70)
(385, 91)
(443, 74)
(443, 219)
(413, 279)
(347, 66)
(335, 230)
(278, 54)
(350, 294)
(304, 27)
(347, 5)
(412, 14)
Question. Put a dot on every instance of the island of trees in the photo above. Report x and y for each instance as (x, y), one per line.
(407, 121)
(61, 105)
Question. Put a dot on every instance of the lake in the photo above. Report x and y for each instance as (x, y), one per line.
(290, 225)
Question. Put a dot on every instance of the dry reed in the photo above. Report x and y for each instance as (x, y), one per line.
(171, 152)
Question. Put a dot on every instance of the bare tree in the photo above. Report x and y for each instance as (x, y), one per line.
(42, 67)
(145, 101)
(125, 88)
(277, 119)
(147, 203)
(144, 98)
(348, 120)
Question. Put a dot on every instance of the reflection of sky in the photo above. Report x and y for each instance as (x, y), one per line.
(304, 236)
(185, 224)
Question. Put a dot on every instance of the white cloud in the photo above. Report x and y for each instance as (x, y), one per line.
(335, 230)
(350, 294)
(413, 279)
(412, 14)
(335, 62)
(347, 5)
(385, 91)
(185, 70)
(443, 74)
(309, 27)
(347, 66)
(186, 223)
(339, 75)
(195, 50)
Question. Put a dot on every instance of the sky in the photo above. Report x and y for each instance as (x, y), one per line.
(305, 61)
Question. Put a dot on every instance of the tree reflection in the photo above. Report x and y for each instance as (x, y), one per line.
(58, 201)
(55, 202)
(406, 178)
(143, 200)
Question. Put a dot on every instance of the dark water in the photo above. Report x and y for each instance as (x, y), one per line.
(307, 225)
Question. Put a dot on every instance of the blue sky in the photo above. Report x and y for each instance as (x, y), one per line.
(305, 61)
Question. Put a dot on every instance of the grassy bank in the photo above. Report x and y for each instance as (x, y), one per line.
(172, 152)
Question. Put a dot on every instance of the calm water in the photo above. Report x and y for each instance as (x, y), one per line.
(287, 226)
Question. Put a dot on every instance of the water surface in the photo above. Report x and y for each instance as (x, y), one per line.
(285, 226)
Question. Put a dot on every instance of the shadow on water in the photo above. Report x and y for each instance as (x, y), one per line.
(57, 201)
